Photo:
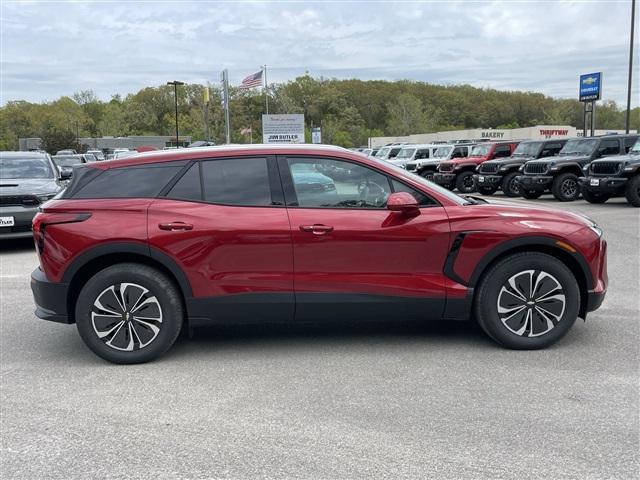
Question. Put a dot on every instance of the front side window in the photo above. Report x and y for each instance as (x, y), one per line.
(609, 147)
(240, 181)
(442, 152)
(480, 151)
(579, 147)
(332, 183)
(551, 149)
(406, 153)
(629, 143)
(422, 153)
(527, 149)
(502, 151)
(25, 167)
(422, 199)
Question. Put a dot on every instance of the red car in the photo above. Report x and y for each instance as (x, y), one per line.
(458, 173)
(135, 249)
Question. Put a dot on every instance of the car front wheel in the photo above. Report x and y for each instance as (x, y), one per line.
(510, 186)
(527, 301)
(632, 191)
(565, 187)
(465, 182)
(129, 313)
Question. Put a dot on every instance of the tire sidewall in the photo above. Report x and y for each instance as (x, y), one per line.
(158, 284)
(631, 191)
(460, 182)
(486, 301)
(557, 187)
(506, 184)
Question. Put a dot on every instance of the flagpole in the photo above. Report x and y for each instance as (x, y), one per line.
(266, 90)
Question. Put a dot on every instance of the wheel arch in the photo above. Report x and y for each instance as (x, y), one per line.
(570, 168)
(92, 261)
(573, 260)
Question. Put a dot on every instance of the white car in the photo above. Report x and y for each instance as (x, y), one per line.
(426, 167)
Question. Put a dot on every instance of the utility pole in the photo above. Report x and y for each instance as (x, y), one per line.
(225, 94)
(175, 84)
(633, 19)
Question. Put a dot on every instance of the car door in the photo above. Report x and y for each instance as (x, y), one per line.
(352, 256)
(225, 224)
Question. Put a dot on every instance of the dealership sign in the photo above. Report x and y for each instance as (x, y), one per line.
(285, 128)
(591, 87)
(316, 135)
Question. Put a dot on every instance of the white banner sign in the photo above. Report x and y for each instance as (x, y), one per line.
(284, 128)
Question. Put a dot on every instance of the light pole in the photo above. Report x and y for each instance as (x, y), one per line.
(175, 84)
(633, 19)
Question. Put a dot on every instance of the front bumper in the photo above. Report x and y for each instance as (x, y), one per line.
(50, 298)
(22, 217)
(447, 180)
(535, 182)
(483, 180)
(607, 185)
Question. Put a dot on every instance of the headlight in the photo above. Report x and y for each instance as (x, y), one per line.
(597, 230)
(521, 169)
(503, 169)
(553, 167)
(457, 167)
(585, 168)
(47, 196)
(628, 169)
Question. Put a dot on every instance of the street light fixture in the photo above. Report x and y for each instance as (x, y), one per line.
(175, 84)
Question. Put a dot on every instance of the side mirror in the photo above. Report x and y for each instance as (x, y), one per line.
(66, 173)
(404, 203)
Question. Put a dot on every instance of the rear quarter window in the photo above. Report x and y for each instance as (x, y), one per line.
(141, 181)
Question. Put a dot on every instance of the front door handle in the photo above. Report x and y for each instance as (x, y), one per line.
(175, 226)
(316, 229)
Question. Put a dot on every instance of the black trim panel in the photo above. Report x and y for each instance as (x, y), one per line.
(247, 308)
(50, 298)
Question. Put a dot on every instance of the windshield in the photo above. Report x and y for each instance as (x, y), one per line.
(25, 168)
(527, 149)
(382, 153)
(442, 152)
(480, 151)
(66, 161)
(406, 153)
(583, 147)
(635, 150)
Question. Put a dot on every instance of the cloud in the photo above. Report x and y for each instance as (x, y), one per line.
(53, 49)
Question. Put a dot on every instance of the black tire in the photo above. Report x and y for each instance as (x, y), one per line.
(427, 174)
(531, 194)
(493, 294)
(160, 305)
(565, 187)
(465, 182)
(594, 197)
(487, 190)
(510, 186)
(632, 191)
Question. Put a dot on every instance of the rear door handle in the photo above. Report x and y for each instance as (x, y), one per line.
(316, 229)
(175, 226)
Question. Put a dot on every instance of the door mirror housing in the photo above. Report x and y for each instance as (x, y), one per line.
(66, 173)
(404, 203)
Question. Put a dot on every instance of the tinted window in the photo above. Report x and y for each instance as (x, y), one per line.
(188, 187)
(551, 149)
(123, 182)
(237, 181)
(609, 147)
(502, 151)
(337, 184)
(420, 197)
(422, 153)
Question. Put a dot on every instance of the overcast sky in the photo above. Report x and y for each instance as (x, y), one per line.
(51, 49)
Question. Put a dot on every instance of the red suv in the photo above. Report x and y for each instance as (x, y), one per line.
(135, 249)
(458, 172)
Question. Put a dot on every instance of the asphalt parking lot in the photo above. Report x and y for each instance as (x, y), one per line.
(331, 401)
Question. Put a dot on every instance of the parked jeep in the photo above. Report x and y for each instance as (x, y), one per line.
(502, 173)
(427, 166)
(560, 173)
(606, 178)
(458, 173)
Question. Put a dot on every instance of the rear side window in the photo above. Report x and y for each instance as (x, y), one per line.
(242, 181)
(188, 187)
(127, 182)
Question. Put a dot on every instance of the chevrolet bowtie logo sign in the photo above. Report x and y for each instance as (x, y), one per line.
(589, 80)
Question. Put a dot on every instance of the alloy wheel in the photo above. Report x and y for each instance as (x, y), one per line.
(514, 187)
(569, 188)
(126, 316)
(531, 303)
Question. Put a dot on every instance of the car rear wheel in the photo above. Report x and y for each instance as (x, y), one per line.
(632, 191)
(531, 194)
(129, 313)
(487, 190)
(527, 301)
(565, 187)
(594, 197)
(465, 182)
(510, 186)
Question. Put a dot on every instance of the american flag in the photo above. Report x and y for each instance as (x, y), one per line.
(253, 80)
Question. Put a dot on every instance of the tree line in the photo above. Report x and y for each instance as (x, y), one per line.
(348, 111)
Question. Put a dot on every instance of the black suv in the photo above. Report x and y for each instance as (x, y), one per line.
(607, 178)
(502, 173)
(560, 174)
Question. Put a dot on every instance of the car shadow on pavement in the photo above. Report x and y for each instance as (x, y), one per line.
(16, 245)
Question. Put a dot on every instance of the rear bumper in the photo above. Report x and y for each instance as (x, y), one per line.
(483, 180)
(595, 299)
(608, 185)
(535, 182)
(50, 298)
(22, 217)
(447, 180)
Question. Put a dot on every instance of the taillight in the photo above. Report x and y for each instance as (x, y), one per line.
(42, 220)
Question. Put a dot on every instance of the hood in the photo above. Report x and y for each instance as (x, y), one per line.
(560, 159)
(29, 186)
(628, 158)
(510, 160)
